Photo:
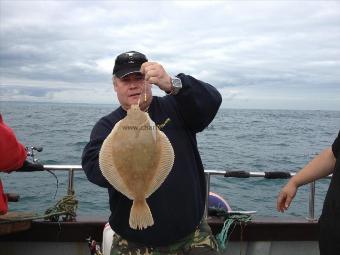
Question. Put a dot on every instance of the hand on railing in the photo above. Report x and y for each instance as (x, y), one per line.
(31, 167)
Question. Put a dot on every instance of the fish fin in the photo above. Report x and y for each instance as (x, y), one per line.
(140, 215)
(165, 163)
(107, 167)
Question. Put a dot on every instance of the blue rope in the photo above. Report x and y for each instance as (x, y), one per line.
(223, 237)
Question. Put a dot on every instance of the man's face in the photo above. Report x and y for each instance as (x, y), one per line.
(130, 89)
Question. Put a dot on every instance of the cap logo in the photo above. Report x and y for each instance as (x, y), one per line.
(131, 60)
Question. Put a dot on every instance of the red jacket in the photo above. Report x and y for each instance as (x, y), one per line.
(12, 157)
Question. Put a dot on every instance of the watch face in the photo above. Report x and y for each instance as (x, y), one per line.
(177, 83)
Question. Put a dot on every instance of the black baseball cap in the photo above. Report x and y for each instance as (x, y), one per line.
(128, 62)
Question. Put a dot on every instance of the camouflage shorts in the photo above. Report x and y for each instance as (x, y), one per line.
(201, 241)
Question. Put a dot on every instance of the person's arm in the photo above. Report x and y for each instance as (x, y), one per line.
(198, 102)
(321, 166)
(12, 153)
(90, 157)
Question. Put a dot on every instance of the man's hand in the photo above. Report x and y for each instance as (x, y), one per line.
(155, 74)
(30, 167)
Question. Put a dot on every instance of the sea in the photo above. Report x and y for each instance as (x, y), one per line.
(237, 139)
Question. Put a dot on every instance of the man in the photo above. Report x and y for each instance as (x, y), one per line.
(12, 157)
(177, 205)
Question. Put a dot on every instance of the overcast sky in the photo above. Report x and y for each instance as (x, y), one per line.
(258, 54)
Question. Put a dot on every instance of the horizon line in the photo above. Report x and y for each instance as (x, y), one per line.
(117, 105)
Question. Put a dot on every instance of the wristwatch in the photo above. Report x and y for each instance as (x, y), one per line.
(176, 85)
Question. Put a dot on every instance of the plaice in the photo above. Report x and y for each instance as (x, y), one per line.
(136, 158)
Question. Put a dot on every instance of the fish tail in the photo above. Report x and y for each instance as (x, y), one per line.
(140, 215)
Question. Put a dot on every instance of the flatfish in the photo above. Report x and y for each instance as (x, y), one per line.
(136, 158)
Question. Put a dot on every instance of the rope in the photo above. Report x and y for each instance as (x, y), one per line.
(223, 237)
(66, 206)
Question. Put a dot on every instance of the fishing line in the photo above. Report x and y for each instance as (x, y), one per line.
(55, 176)
(145, 98)
(144, 91)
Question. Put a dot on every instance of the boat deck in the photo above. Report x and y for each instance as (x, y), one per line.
(263, 235)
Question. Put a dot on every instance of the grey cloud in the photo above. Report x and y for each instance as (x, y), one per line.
(230, 44)
(9, 91)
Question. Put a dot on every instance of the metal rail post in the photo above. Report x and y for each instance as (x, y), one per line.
(311, 203)
(70, 190)
(207, 181)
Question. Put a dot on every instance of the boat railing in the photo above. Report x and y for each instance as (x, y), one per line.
(208, 174)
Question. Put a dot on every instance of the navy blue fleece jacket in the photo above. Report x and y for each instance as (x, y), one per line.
(177, 206)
